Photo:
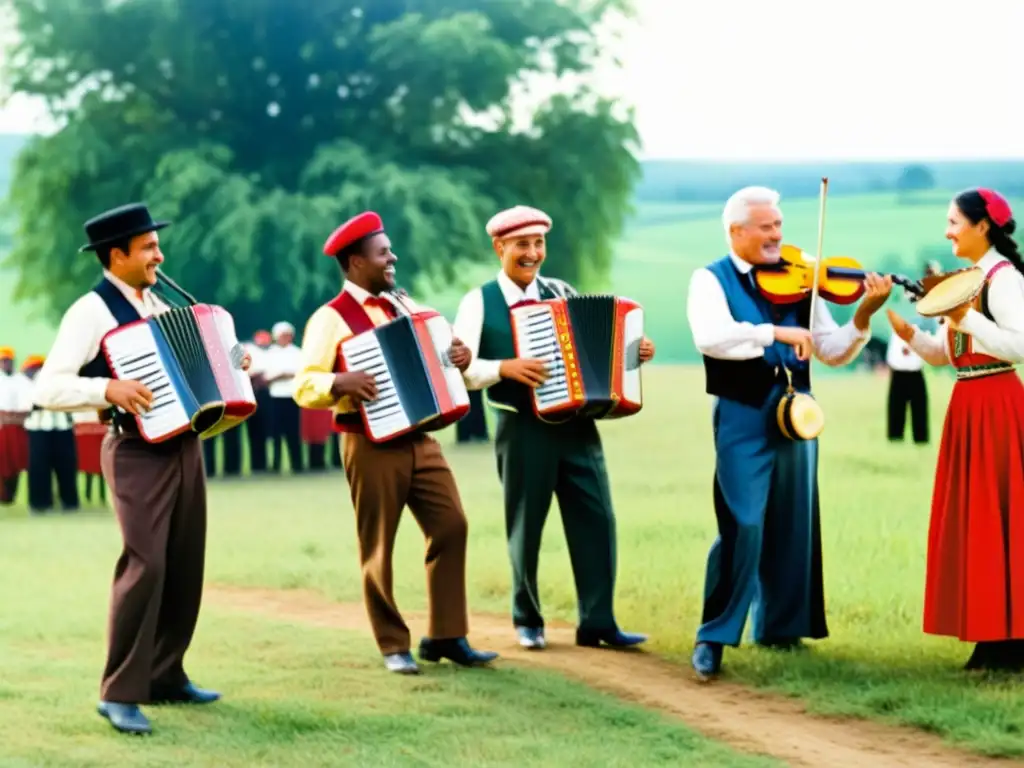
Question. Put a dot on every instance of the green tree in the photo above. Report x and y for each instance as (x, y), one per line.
(259, 126)
(915, 178)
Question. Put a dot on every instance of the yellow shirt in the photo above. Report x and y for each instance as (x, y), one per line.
(324, 331)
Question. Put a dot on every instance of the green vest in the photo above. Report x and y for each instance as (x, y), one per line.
(496, 343)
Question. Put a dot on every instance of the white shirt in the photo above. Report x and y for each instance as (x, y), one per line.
(900, 357)
(258, 357)
(717, 334)
(1002, 339)
(15, 394)
(58, 385)
(278, 360)
(469, 323)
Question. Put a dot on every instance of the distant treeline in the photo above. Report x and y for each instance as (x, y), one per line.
(693, 181)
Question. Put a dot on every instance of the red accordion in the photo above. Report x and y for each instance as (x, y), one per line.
(418, 387)
(190, 358)
(591, 345)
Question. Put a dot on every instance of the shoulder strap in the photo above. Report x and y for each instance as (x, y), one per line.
(555, 289)
(116, 302)
(984, 289)
(351, 312)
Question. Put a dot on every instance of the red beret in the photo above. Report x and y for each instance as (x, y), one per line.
(356, 228)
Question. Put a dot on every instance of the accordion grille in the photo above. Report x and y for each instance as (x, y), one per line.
(592, 319)
(181, 330)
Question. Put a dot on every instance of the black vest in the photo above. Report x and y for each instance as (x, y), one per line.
(497, 343)
(98, 368)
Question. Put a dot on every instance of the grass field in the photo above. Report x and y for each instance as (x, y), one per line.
(300, 694)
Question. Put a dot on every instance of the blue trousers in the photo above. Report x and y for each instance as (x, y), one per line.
(767, 556)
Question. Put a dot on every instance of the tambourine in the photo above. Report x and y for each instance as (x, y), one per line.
(949, 291)
(799, 416)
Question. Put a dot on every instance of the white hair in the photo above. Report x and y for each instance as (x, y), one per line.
(737, 207)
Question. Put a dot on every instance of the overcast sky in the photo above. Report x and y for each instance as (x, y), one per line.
(808, 79)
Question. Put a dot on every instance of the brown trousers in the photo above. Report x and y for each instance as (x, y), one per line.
(383, 479)
(159, 496)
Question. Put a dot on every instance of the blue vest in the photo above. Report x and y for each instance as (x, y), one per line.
(751, 381)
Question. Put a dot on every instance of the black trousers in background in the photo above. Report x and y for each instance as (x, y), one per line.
(286, 432)
(474, 425)
(258, 428)
(908, 388)
(232, 442)
(52, 452)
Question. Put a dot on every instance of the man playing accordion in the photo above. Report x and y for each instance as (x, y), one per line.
(386, 476)
(158, 490)
(536, 459)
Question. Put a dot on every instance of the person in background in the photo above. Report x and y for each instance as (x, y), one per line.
(906, 387)
(89, 434)
(51, 450)
(258, 427)
(13, 438)
(282, 361)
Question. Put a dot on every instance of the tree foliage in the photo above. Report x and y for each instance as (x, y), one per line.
(259, 126)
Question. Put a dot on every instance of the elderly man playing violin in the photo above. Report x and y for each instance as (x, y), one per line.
(767, 556)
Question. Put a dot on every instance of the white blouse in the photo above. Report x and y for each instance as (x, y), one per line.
(1002, 339)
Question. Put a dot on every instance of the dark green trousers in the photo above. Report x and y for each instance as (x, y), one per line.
(535, 462)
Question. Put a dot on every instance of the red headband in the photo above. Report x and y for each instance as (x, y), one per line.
(996, 206)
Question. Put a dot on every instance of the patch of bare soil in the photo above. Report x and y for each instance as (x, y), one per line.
(733, 714)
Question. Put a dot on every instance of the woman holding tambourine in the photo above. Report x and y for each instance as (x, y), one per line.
(974, 587)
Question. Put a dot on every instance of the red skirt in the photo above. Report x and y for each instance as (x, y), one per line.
(88, 442)
(13, 450)
(315, 425)
(975, 580)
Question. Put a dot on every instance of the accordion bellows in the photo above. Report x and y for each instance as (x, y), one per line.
(418, 388)
(591, 345)
(190, 359)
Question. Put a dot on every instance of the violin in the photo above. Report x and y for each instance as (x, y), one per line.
(840, 279)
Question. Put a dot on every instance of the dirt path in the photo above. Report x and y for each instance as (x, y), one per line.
(730, 713)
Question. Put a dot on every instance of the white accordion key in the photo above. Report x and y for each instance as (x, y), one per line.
(384, 415)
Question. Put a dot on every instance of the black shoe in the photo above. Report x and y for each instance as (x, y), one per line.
(126, 718)
(456, 650)
(614, 637)
(707, 660)
(187, 694)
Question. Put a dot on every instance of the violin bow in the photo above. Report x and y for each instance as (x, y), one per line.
(817, 257)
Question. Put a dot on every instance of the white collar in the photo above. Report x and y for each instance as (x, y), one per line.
(359, 294)
(513, 293)
(991, 258)
(129, 292)
(743, 266)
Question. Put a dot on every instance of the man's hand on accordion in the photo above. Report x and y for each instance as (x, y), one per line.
(358, 385)
(646, 350)
(131, 396)
(459, 355)
(532, 373)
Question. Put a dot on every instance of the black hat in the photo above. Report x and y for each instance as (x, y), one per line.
(119, 224)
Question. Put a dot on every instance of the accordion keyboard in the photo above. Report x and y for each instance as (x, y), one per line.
(134, 356)
(384, 415)
(539, 341)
